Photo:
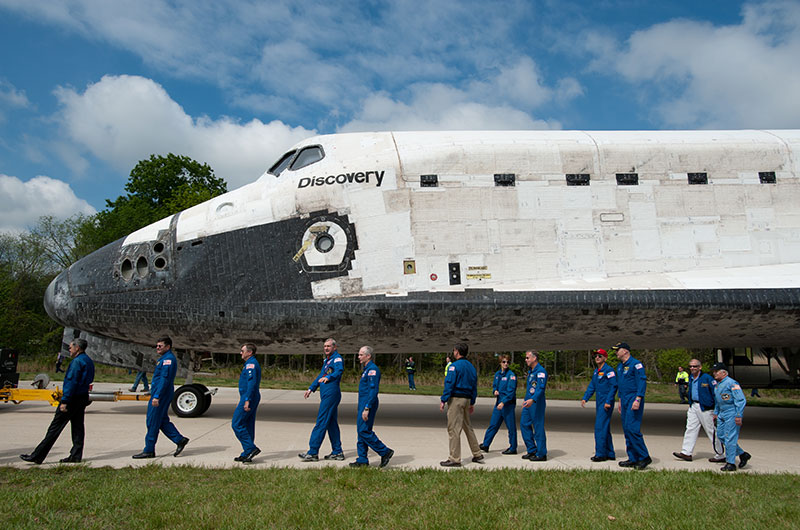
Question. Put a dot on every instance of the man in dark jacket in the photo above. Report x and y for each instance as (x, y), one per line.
(700, 414)
(80, 375)
(460, 393)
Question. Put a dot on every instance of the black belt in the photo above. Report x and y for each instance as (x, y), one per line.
(462, 396)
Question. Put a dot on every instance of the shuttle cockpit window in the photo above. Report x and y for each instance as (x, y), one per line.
(278, 167)
(307, 156)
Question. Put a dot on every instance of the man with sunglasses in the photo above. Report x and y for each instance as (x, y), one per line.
(700, 414)
(604, 384)
(505, 390)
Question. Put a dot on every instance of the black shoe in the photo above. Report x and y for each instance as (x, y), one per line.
(538, 458)
(528, 456)
(334, 456)
(598, 459)
(641, 464)
(29, 458)
(181, 445)
(449, 463)
(682, 456)
(385, 458)
(478, 458)
(305, 457)
(144, 455)
(744, 458)
(239, 458)
(716, 460)
(70, 460)
(728, 467)
(509, 451)
(252, 454)
(484, 448)
(627, 463)
(358, 464)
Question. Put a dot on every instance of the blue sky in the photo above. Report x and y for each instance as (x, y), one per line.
(90, 87)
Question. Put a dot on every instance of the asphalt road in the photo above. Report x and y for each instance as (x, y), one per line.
(411, 425)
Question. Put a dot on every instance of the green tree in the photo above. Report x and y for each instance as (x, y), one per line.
(157, 187)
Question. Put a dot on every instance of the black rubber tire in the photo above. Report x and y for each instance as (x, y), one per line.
(188, 401)
(207, 394)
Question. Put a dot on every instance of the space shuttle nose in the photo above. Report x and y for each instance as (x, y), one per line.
(56, 305)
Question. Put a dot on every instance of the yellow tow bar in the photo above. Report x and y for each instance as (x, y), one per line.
(18, 395)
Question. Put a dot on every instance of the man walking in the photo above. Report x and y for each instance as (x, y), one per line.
(162, 388)
(244, 417)
(460, 393)
(368, 389)
(700, 414)
(604, 384)
(632, 382)
(328, 380)
(74, 399)
(531, 423)
(505, 390)
(729, 403)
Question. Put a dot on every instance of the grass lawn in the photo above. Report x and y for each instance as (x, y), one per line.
(188, 497)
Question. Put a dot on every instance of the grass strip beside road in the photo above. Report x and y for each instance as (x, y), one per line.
(188, 497)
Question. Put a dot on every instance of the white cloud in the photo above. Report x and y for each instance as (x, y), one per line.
(22, 203)
(737, 76)
(124, 119)
(437, 106)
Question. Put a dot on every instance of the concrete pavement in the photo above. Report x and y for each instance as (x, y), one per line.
(412, 425)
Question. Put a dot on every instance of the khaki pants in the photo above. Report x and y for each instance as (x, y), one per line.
(458, 420)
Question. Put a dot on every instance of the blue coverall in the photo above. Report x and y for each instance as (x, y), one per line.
(729, 404)
(244, 422)
(162, 387)
(604, 383)
(505, 383)
(368, 389)
(632, 383)
(330, 396)
(531, 422)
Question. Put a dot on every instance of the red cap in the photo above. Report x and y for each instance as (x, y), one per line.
(600, 351)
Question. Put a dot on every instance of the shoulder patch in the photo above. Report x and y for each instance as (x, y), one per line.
(451, 369)
(541, 374)
(736, 387)
(638, 366)
(372, 372)
(167, 362)
(611, 374)
(250, 367)
(337, 360)
(513, 377)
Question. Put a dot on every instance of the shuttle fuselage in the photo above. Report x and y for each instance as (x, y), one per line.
(508, 240)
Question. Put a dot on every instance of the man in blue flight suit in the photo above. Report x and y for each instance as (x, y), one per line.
(244, 417)
(328, 380)
(162, 388)
(700, 414)
(74, 399)
(368, 389)
(604, 384)
(505, 388)
(729, 403)
(531, 423)
(460, 393)
(632, 384)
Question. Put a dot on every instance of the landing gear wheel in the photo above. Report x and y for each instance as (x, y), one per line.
(189, 401)
(207, 395)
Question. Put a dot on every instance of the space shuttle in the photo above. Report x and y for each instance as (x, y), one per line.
(411, 241)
